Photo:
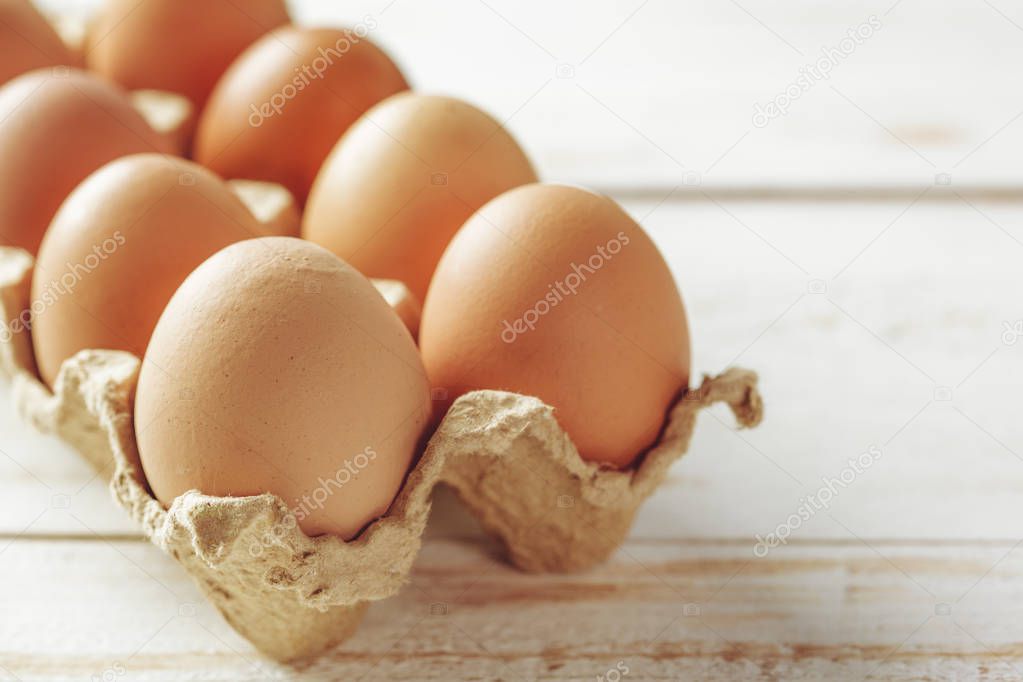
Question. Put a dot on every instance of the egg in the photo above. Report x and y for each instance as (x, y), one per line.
(277, 367)
(283, 104)
(118, 249)
(55, 132)
(27, 41)
(180, 46)
(555, 292)
(404, 178)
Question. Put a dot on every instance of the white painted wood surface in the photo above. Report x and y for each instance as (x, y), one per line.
(818, 250)
(661, 91)
(663, 610)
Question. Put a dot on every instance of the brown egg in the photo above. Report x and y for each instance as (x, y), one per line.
(278, 368)
(54, 133)
(281, 107)
(402, 181)
(27, 41)
(555, 292)
(118, 249)
(181, 46)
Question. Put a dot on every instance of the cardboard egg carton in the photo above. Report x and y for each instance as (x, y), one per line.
(73, 30)
(171, 115)
(294, 596)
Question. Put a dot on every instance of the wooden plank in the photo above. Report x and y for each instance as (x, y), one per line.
(916, 300)
(655, 93)
(663, 610)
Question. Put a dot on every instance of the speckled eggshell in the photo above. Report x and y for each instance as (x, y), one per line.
(555, 292)
(55, 132)
(402, 181)
(283, 104)
(28, 41)
(278, 368)
(180, 46)
(118, 249)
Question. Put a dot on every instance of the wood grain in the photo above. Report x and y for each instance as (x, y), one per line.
(916, 296)
(665, 610)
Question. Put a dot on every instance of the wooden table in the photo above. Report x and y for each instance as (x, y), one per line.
(860, 252)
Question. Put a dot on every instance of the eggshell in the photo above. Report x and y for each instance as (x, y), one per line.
(118, 249)
(55, 132)
(28, 41)
(555, 292)
(277, 367)
(402, 181)
(283, 104)
(181, 46)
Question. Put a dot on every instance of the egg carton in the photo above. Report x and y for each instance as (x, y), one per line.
(295, 596)
(73, 30)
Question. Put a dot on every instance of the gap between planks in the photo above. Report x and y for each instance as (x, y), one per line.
(683, 193)
(723, 542)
